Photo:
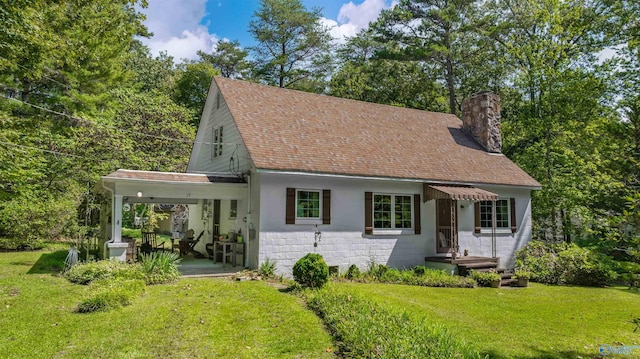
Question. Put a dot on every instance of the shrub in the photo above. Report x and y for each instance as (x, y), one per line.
(564, 264)
(268, 268)
(365, 329)
(85, 273)
(110, 293)
(522, 274)
(18, 244)
(376, 271)
(160, 267)
(311, 271)
(353, 272)
(484, 279)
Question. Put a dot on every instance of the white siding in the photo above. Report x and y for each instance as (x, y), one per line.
(343, 241)
(213, 117)
(507, 243)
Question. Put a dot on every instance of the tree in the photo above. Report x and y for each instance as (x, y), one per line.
(292, 49)
(229, 58)
(439, 32)
(192, 87)
(362, 76)
(150, 73)
(557, 127)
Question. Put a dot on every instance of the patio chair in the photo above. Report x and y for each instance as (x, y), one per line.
(150, 243)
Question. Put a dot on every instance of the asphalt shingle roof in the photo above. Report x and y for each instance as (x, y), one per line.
(297, 131)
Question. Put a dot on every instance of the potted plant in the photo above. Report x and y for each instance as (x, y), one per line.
(522, 276)
(487, 279)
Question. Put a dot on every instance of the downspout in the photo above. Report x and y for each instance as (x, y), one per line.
(248, 223)
(109, 240)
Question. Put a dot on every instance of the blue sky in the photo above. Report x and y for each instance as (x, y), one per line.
(182, 27)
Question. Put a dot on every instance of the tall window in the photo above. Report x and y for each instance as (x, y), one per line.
(391, 211)
(233, 209)
(216, 147)
(502, 214)
(307, 204)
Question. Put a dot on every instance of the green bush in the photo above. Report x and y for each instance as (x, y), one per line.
(353, 272)
(17, 244)
(27, 220)
(311, 271)
(267, 268)
(564, 263)
(160, 267)
(484, 279)
(85, 273)
(365, 329)
(110, 293)
(376, 271)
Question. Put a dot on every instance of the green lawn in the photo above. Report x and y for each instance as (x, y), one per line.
(195, 318)
(536, 322)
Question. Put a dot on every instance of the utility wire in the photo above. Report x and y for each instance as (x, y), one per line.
(41, 149)
(115, 127)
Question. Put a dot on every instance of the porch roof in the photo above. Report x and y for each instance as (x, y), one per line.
(457, 193)
(172, 187)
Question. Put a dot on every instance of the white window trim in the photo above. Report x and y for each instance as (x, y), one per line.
(216, 141)
(499, 230)
(230, 216)
(309, 220)
(392, 231)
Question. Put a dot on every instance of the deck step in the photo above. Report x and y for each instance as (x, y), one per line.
(506, 278)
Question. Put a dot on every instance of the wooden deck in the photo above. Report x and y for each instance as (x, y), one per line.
(468, 263)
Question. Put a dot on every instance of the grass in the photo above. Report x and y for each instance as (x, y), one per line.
(536, 322)
(191, 318)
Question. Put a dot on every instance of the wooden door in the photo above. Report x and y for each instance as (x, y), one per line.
(446, 231)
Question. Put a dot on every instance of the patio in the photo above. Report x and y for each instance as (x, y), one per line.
(191, 267)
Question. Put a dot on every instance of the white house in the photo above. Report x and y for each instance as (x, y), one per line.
(356, 182)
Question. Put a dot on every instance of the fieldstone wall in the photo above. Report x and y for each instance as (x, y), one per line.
(481, 118)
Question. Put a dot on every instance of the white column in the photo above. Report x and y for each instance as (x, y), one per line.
(117, 218)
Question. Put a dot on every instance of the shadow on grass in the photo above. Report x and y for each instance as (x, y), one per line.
(49, 263)
(546, 354)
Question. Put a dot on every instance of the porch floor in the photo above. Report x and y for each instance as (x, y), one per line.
(191, 267)
(461, 260)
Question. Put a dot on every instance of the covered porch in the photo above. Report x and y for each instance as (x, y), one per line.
(446, 199)
(206, 195)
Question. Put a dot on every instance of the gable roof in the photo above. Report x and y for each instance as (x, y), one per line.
(287, 130)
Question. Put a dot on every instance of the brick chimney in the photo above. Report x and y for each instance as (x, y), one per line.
(481, 119)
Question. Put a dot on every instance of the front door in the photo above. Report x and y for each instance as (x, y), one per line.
(446, 228)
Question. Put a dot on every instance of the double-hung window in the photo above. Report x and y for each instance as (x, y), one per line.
(502, 214)
(392, 211)
(308, 204)
(216, 147)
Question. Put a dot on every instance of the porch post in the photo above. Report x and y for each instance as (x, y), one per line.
(117, 249)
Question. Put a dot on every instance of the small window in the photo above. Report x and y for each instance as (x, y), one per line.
(392, 211)
(308, 204)
(216, 146)
(233, 209)
(502, 214)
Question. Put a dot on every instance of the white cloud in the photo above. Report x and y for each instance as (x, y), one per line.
(175, 27)
(352, 18)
